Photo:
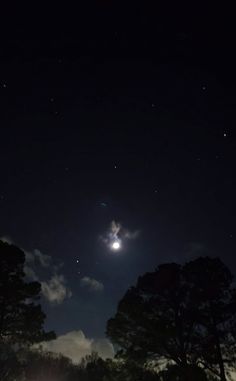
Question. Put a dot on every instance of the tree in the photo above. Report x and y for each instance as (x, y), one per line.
(10, 367)
(41, 366)
(170, 316)
(211, 283)
(97, 369)
(21, 317)
(94, 367)
(174, 372)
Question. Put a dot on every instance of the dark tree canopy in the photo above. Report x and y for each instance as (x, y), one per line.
(45, 366)
(181, 314)
(21, 316)
(175, 373)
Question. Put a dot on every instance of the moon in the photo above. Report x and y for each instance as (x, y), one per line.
(116, 245)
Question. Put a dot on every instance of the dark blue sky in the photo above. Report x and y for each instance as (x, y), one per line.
(131, 122)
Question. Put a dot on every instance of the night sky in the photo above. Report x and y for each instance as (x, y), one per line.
(117, 122)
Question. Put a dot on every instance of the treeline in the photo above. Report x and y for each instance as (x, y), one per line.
(177, 324)
(36, 365)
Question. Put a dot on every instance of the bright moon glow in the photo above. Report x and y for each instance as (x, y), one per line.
(116, 245)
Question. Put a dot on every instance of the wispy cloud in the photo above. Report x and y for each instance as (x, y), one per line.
(37, 256)
(131, 234)
(55, 290)
(117, 232)
(30, 273)
(115, 228)
(91, 284)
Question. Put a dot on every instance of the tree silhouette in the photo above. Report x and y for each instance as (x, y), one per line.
(41, 366)
(211, 284)
(174, 372)
(10, 367)
(173, 316)
(97, 369)
(21, 318)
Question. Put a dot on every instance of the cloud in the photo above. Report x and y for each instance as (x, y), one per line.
(36, 256)
(131, 235)
(7, 239)
(91, 284)
(30, 273)
(115, 227)
(116, 232)
(43, 259)
(55, 290)
(76, 345)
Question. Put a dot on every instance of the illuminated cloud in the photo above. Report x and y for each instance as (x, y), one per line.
(36, 256)
(91, 284)
(131, 235)
(115, 228)
(30, 273)
(55, 290)
(76, 345)
(117, 233)
(7, 239)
